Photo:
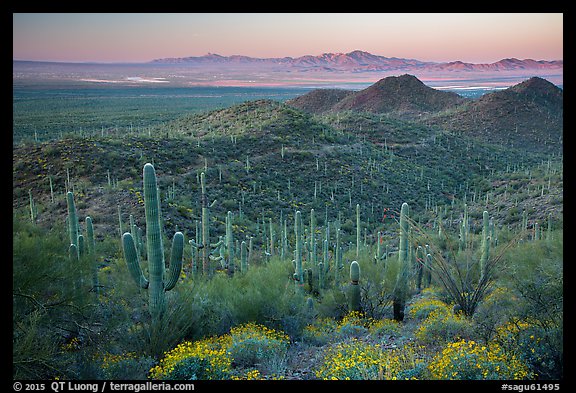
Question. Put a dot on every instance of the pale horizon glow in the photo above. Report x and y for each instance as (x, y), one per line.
(134, 38)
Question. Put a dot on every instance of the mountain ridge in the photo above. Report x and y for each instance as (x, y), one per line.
(358, 61)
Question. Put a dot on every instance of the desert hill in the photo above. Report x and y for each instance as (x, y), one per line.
(404, 96)
(528, 114)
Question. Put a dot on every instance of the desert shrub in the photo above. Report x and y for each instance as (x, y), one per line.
(359, 360)
(533, 344)
(470, 360)
(407, 362)
(421, 308)
(354, 324)
(535, 276)
(443, 326)
(214, 358)
(385, 327)
(264, 294)
(125, 366)
(206, 359)
(256, 345)
(353, 360)
(320, 332)
(497, 308)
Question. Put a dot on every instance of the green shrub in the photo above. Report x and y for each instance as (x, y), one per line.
(320, 332)
(442, 326)
(256, 345)
(470, 360)
(128, 366)
(205, 359)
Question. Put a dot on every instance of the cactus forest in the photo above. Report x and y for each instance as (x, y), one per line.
(263, 242)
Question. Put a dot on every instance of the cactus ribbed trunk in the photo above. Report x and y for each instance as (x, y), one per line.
(72, 218)
(205, 226)
(485, 243)
(401, 290)
(354, 301)
(154, 243)
(230, 243)
(155, 284)
(299, 275)
(92, 254)
(243, 257)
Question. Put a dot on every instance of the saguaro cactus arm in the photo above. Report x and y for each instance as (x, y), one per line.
(175, 261)
(132, 260)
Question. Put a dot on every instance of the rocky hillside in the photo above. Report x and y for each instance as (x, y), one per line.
(404, 96)
(529, 114)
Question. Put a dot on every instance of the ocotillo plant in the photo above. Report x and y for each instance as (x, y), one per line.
(354, 300)
(157, 284)
(401, 289)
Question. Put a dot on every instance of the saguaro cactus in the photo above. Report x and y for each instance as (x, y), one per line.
(205, 225)
(354, 300)
(91, 253)
(243, 257)
(298, 275)
(230, 243)
(485, 243)
(401, 290)
(157, 285)
(72, 218)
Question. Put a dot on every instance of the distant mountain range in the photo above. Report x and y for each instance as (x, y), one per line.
(360, 61)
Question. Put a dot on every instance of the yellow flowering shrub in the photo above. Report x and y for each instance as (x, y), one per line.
(204, 359)
(443, 326)
(408, 362)
(253, 344)
(379, 327)
(211, 358)
(422, 308)
(320, 331)
(473, 361)
(352, 360)
(359, 360)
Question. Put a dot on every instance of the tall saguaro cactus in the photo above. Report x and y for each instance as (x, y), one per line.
(205, 226)
(92, 254)
(401, 290)
(485, 243)
(230, 242)
(157, 284)
(299, 275)
(72, 219)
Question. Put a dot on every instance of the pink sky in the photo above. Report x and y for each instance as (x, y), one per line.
(475, 38)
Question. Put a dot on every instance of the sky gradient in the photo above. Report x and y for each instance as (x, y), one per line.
(475, 38)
